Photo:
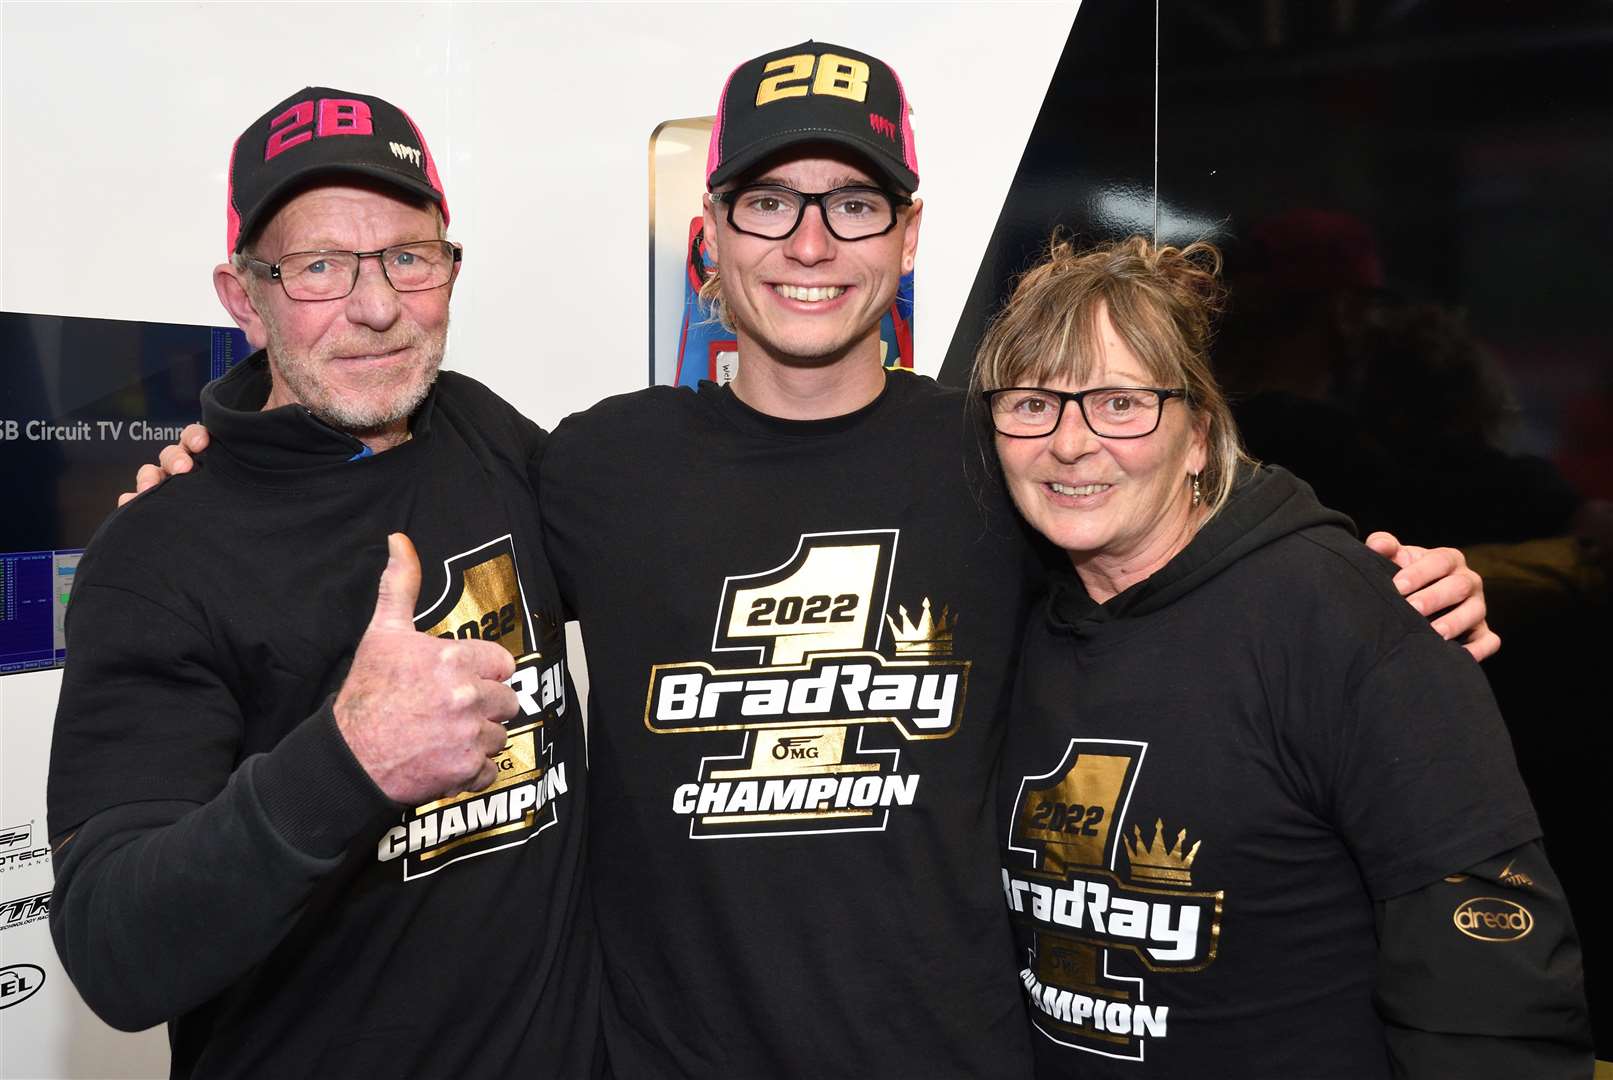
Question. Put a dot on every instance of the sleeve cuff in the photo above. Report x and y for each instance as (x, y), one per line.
(314, 792)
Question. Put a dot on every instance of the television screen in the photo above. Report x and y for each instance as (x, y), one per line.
(83, 404)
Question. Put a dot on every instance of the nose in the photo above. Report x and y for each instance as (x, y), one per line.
(1071, 439)
(811, 241)
(373, 302)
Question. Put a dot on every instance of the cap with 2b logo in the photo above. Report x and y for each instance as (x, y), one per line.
(319, 132)
(813, 92)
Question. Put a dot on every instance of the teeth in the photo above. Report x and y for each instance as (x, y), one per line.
(1083, 489)
(811, 295)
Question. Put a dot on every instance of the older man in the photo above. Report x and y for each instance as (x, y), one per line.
(324, 828)
(802, 603)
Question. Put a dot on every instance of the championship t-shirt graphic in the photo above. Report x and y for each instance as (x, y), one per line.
(483, 598)
(1088, 920)
(817, 662)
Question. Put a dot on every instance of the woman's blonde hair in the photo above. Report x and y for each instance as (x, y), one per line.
(1162, 302)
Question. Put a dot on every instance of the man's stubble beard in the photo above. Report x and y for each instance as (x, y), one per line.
(366, 417)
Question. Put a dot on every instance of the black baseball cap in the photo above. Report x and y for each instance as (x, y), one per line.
(813, 92)
(321, 132)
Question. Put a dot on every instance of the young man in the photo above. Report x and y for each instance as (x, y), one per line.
(314, 860)
(802, 602)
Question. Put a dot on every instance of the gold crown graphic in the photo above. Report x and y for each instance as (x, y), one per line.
(1171, 866)
(930, 636)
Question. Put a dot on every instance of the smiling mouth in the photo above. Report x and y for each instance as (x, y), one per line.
(1077, 489)
(813, 294)
(385, 354)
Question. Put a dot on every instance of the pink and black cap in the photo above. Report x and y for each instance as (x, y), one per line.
(318, 133)
(813, 92)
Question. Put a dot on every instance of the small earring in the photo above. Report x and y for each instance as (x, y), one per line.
(1198, 491)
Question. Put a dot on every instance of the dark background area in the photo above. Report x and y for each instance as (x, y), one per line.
(1413, 202)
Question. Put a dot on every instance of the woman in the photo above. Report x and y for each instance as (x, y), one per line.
(1260, 821)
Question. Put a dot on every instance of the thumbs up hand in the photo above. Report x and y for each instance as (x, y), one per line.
(423, 715)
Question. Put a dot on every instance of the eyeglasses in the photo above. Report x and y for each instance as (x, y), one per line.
(774, 212)
(331, 275)
(1113, 412)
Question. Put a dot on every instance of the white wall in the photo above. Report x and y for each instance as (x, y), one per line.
(115, 128)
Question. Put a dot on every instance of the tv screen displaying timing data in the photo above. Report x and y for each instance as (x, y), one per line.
(83, 404)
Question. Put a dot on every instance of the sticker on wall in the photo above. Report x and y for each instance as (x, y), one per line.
(22, 910)
(19, 982)
(22, 846)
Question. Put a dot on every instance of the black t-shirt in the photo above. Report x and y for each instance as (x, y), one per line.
(289, 918)
(1211, 778)
(798, 640)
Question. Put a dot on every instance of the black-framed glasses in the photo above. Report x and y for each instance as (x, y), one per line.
(417, 266)
(1112, 412)
(773, 212)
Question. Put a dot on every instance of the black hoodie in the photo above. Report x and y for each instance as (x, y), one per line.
(1211, 778)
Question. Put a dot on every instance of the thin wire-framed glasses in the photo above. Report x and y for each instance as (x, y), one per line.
(1112, 412)
(330, 275)
(773, 212)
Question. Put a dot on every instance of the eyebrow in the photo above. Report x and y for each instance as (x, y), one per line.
(840, 181)
(1125, 378)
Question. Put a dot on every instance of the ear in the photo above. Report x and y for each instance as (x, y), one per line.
(233, 295)
(1198, 453)
(910, 235)
(709, 227)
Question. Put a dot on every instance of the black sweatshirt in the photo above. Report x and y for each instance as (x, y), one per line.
(1221, 786)
(222, 860)
(801, 634)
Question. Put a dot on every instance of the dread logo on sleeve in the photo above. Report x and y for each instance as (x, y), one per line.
(825, 675)
(483, 598)
(1068, 826)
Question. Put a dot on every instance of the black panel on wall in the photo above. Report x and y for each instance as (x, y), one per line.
(1089, 163)
(1415, 202)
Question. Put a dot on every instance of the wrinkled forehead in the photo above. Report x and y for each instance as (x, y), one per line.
(322, 211)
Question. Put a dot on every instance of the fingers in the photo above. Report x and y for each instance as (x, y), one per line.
(1441, 581)
(1384, 544)
(399, 588)
(484, 777)
(194, 438)
(501, 704)
(1464, 617)
(148, 477)
(493, 737)
(481, 659)
(1430, 566)
(1483, 644)
(125, 497)
(1460, 588)
(174, 460)
(490, 742)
